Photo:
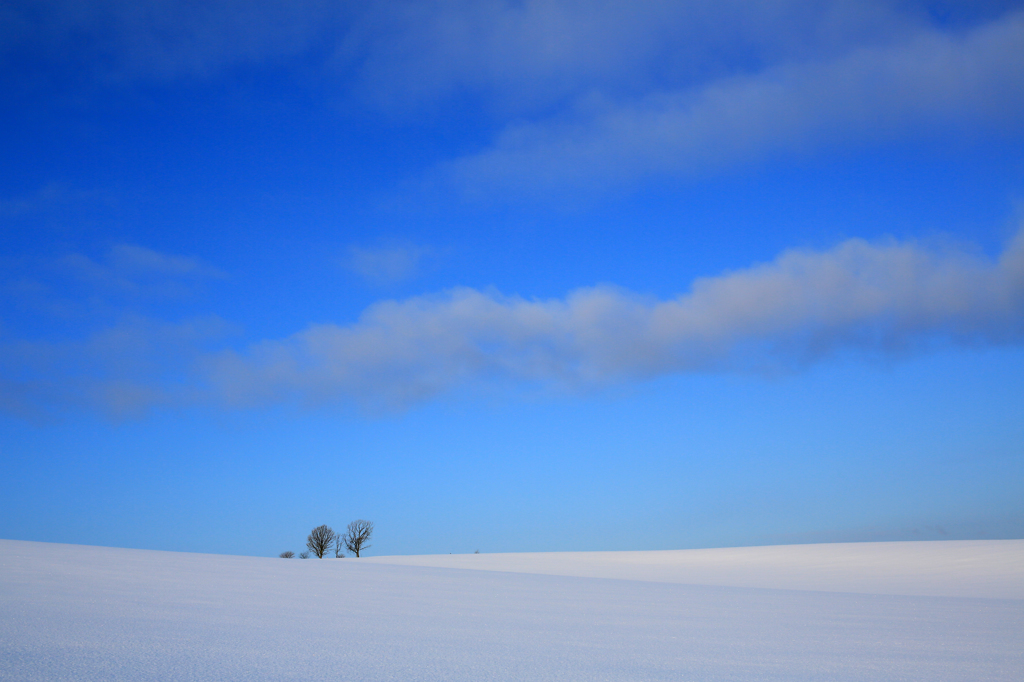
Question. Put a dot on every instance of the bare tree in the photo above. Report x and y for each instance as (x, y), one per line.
(357, 536)
(286, 555)
(320, 540)
(339, 546)
(304, 555)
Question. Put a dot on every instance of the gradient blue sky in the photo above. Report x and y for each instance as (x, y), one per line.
(511, 276)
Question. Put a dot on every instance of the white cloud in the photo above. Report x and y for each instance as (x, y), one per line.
(410, 51)
(524, 56)
(586, 92)
(874, 298)
(933, 80)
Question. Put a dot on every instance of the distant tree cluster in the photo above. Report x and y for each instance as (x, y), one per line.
(322, 539)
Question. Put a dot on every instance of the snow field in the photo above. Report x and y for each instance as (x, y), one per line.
(92, 613)
(955, 568)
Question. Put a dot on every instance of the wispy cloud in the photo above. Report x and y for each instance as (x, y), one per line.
(131, 39)
(524, 57)
(934, 80)
(585, 93)
(873, 298)
(876, 299)
(47, 197)
(409, 51)
(137, 270)
(139, 259)
(386, 265)
(121, 371)
(101, 350)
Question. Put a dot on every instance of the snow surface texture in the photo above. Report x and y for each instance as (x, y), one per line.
(72, 612)
(957, 568)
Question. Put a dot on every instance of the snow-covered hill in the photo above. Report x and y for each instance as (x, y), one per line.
(887, 611)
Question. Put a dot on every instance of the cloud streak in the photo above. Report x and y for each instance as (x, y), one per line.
(407, 51)
(803, 306)
(933, 80)
(132, 39)
(103, 349)
(385, 265)
(886, 299)
(137, 270)
(583, 94)
(525, 56)
(121, 371)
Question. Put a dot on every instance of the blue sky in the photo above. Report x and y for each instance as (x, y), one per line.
(511, 276)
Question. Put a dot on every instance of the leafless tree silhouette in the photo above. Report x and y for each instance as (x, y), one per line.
(286, 555)
(304, 555)
(320, 540)
(357, 536)
(339, 546)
